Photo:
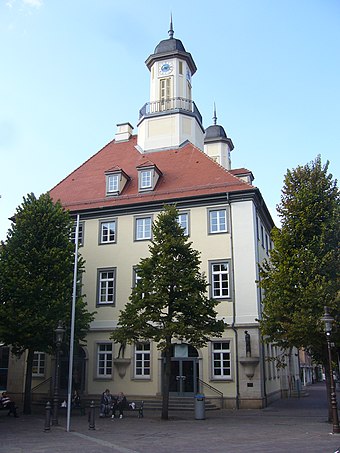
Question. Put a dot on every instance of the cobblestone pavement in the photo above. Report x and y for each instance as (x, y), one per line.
(290, 425)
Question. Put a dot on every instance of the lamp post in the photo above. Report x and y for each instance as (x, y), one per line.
(328, 320)
(59, 334)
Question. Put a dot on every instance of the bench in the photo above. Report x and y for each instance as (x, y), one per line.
(135, 406)
(8, 409)
(78, 407)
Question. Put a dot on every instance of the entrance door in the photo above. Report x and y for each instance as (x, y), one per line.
(183, 380)
(78, 373)
(184, 370)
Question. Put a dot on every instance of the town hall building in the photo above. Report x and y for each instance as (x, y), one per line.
(118, 193)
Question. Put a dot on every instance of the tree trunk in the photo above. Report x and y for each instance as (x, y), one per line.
(28, 382)
(166, 381)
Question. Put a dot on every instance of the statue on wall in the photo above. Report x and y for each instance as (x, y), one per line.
(121, 350)
(248, 346)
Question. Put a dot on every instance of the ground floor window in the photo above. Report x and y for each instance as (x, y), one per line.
(4, 359)
(104, 360)
(142, 360)
(39, 360)
(221, 360)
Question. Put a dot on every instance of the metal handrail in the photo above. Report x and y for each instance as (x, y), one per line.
(168, 104)
(33, 389)
(202, 383)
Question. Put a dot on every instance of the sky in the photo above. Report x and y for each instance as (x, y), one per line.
(71, 70)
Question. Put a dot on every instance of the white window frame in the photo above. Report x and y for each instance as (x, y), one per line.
(165, 88)
(104, 360)
(80, 233)
(221, 360)
(145, 181)
(218, 221)
(183, 220)
(112, 183)
(108, 225)
(142, 361)
(39, 362)
(106, 287)
(220, 286)
(143, 228)
(136, 277)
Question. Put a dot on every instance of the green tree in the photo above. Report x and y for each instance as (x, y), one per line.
(302, 275)
(169, 302)
(36, 281)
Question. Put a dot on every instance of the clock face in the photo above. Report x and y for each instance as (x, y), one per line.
(165, 68)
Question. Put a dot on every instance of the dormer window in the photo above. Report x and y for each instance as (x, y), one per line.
(116, 180)
(148, 175)
(146, 179)
(112, 183)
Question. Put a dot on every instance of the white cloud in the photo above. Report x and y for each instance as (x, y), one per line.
(34, 3)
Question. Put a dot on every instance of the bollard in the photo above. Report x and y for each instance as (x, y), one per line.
(47, 417)
(91, 416)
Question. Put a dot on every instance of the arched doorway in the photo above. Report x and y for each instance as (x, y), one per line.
(184, 370)
(78, 372)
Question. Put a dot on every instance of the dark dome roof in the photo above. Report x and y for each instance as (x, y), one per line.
(215, 131)
(169, 45)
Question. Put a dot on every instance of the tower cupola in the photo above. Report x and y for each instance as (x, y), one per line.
(171, 117)
(217, 145)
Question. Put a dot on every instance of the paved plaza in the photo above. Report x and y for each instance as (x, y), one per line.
(290, 425)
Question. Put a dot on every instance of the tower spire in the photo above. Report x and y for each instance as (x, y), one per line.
(171, 31)
(215, 117)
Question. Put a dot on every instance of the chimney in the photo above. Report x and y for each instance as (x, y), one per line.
(124, 132)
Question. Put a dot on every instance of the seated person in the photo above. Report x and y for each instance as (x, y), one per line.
(75, 399)
(6, 402)
(105, 403)
(119, 403)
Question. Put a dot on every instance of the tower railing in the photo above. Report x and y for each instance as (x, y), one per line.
(169, 104)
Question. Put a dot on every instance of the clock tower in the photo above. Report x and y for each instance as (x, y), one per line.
(171, 117)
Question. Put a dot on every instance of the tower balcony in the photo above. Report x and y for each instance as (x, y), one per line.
(170, 105)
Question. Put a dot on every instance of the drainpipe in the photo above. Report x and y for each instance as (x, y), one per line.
(234, 307)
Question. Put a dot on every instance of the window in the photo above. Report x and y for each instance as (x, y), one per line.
(38, 368)
(4, 358)
(104, 360)
(80, 233)
(108, 232)
(143, 228)
(262, 236)
(148, 177)
(217, 221)
(220, 280)
(106, 286)
(112, 183)
(142, 360)
(165, 89)
(145, 179)
(267, 245)
(183, 220)
(180, 67)
(257, 228)
(221, 360)
(136, 277)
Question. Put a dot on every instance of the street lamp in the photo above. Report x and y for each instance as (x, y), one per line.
(328, 320)
(59, 335)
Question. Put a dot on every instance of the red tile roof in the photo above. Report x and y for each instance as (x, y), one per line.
(186, 172)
